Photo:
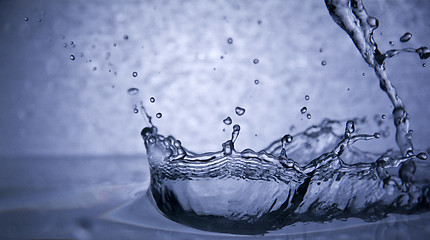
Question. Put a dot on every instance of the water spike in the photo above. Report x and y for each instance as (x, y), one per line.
(145, 114)
(349, 128)
(285, 141)
(235, 133)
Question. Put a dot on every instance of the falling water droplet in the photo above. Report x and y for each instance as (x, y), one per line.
(321, 50)
(391, 43)
(303, 110)
(26, 19)
(240, 111)
(307, 97)
(323, 63)
(259, 22)
(406, 37)
(125, 37)
(72, 57)
(363, 74)
(383, 116)
(135, 110)
(308, 116)
(158, 115)
(424, 64)
(230, 40)
(134, 74)
(256, 81)
(133, 91)
(152, 99)
(94, 68)
(39, 20)
(255, 61)
(227, 121)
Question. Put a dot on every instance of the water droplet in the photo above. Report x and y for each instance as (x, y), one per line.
(377, 135)
(71, 43)
(307, 97)
(363, 74)
(391, 43)
(94, 68)
(72, 57)
(227, 121)
(125, 37)
(321, 50)
(26, 19)
(373, 22)
(303, 110)
(259, 22)
(383, 116)
(256, 81)
(424, 64)
(255, 61)
(152, 99)
(230, 40)
(158, 115)
(134, 74)
(114, 44)
(39, 20)
(424, 52)
(239, 111)
(133, 91)
(406, 37)
(323, 63)
(308, 116)
(422, 156)
(135, 110)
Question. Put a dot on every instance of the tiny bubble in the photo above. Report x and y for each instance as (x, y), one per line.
(323, 63)
(135, 110)
(424, 64)
(158, 115)
(255, 61)
(152, 99)
(363, 74)
(256, 81)
(377, 135)
(383, 116)
(72, 57)
(134, 74)
(26, 19)
(303, 110)
(230, 40)
(125, 37)
(391, 43)
(309, 116)
(239, 111)
(307, 97)
(71, 43)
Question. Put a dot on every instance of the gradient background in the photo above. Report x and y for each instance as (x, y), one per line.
(53, 106)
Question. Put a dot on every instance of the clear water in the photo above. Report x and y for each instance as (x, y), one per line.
(254, 192)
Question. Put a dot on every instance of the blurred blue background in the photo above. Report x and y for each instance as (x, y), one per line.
(69, 109)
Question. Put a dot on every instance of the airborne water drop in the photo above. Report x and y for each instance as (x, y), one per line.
(240, 111)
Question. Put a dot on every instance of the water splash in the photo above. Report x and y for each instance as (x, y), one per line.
(327, 178)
